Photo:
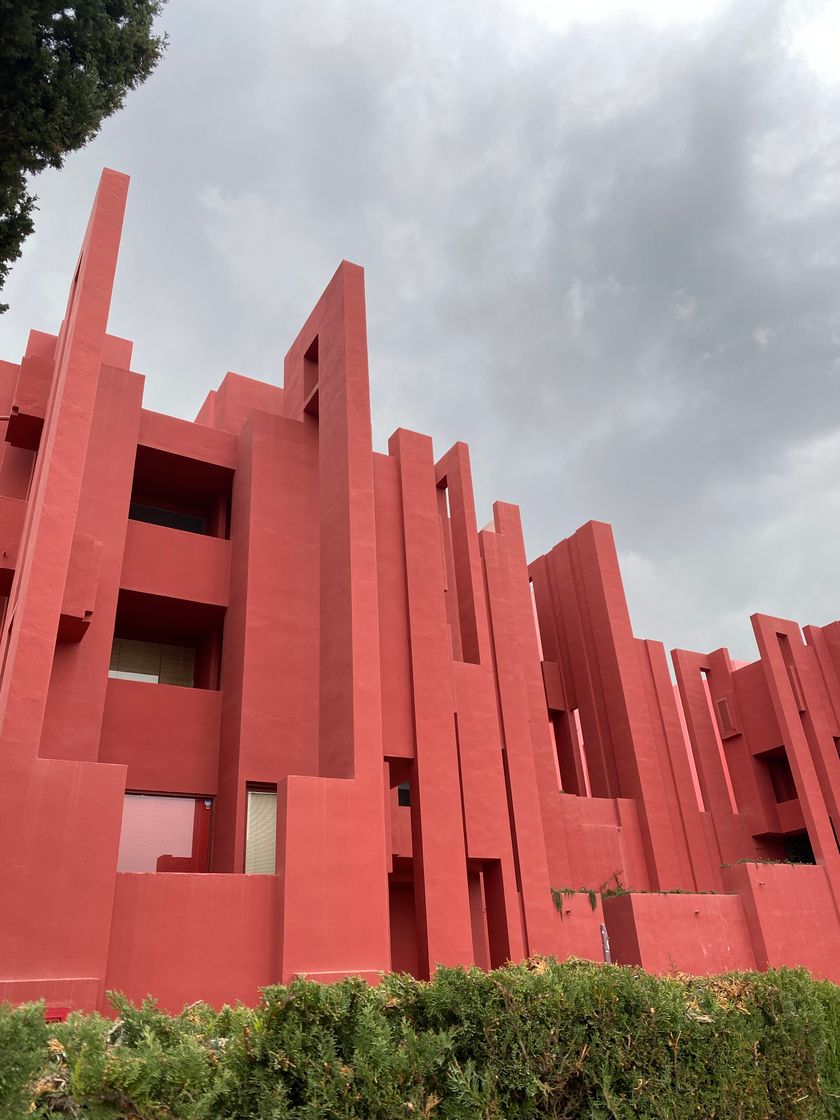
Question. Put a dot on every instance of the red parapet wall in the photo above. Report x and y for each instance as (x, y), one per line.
(272, 705)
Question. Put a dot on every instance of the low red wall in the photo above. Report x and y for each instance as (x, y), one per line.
(167, 736)
(578, 928)
(182, 938)
(791, 914)
(163, 561)
(699, 933)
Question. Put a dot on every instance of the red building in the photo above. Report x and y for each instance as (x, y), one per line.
(270, 704)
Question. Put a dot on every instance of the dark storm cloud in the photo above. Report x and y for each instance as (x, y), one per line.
(606, 256)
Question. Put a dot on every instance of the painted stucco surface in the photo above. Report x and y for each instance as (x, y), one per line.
(354, 632)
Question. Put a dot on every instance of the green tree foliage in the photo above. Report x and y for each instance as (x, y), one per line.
(63, 70)
(540, 1039)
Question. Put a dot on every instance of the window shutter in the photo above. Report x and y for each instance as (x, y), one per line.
(177, 665)
(138, 661)
(261, 834)
(152, 662)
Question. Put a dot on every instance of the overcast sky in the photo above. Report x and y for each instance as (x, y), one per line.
(602, 245)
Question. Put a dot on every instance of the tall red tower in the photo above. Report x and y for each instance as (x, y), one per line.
(271, 704)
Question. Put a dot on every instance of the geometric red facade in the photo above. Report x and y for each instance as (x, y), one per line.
(271, 704)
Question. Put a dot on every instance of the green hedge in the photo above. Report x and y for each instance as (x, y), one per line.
(531, 1040)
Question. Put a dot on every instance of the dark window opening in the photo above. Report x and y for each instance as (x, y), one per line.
(569, 750)
(781, 775)
(311, 378)
(171, 518)
(404, 794)
(177, 492)
(798, 848)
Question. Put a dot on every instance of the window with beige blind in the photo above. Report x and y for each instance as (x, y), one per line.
(154, 662)
(261, 832)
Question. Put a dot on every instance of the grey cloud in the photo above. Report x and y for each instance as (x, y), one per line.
(608, 258)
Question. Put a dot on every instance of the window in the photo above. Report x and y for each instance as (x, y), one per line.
(171, 518)
(161, 833)
(153, 662)
(180, 492)
(261, 832)
(404, 794)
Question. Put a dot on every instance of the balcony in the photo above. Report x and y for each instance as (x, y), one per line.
(166, 735)
(174, 564)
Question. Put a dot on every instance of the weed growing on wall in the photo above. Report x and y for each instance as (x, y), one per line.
(539, 1039)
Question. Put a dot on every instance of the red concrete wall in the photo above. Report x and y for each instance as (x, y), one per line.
(700, 933)
(220, 928)
(791, 915)
(358, 641)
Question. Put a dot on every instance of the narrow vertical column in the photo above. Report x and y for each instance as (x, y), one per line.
(31, 623)
(675, 769)
(332, 841)
(582, 671)
(57, 817)
(440, 871)
(519, 680)
(269, 723)
(488, 830)
(79, 681)
(708, 752)
(454, 469)
(825, 642)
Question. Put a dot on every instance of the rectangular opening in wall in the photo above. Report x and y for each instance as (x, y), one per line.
(780, 773)
(798, 848)
(311, 377)
(404, 795)
(261, 831)
(161, 640)
(568, 746)
(165, 833)
(177, 492)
